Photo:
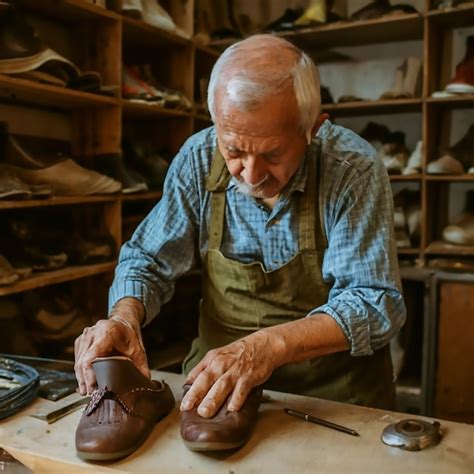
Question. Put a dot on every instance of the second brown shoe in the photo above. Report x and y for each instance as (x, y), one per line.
(122, 412)
(225, 430)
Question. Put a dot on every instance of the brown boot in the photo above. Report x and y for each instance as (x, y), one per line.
(122, 412)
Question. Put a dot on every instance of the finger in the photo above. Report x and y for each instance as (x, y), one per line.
(196, 370)
(81, 344)
(239, 395)
(215, 397)
(199, 389)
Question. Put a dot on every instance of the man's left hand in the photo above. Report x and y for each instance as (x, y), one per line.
(232, 370)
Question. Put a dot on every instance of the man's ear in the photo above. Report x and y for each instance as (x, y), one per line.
(317, 125)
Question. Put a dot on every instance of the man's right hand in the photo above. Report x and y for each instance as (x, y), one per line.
(120, 334)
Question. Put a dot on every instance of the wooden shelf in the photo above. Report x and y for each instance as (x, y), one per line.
(16, 90)
(462, 15)
(69, 11)
(448, 178)
(454, 102)
(139, 110)
(38, 280)
(408, 251)
(402, 177)
(207, 51)
(368, 107)
(440, 247)
(379, 30)
(57, 201)
(141, 33)
(145, 196)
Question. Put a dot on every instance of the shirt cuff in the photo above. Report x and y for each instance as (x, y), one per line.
(358, 334)
(138, 290)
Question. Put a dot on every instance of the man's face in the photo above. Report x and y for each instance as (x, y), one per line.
(262, 147)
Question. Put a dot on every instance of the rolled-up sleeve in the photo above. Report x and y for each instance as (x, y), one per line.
(164, 245)
(361, 263)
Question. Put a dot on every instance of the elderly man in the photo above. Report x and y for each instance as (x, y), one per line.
(291, 217)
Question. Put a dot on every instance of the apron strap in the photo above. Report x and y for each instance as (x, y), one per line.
(216, 184)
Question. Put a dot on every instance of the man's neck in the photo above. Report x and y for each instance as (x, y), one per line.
(270, 202)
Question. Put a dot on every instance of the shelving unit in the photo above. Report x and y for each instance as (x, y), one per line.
(101, 40)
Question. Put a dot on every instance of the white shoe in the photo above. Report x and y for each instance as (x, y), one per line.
(462, 232)
(414, 162)
(403, 241)
(155, 15)
(445, 165)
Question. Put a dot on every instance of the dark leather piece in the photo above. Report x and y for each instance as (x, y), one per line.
(122, 412)
(18, 386)
(225, 430)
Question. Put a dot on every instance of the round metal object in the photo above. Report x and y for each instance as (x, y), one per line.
(411, 434)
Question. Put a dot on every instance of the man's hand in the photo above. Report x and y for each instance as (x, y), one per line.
(119, 334)
(233, 369)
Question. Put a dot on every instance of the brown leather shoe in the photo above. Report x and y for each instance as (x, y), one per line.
(225, 430)
(122, 412)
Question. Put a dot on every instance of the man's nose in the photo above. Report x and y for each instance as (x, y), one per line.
(254, 170)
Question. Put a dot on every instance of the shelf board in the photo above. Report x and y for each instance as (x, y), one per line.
(30, 92)
(69, 11)
(139, 110)
(454, 102)
(440, 247)
(367, 107)
(145, 196)
(408, 177)
(447, 178)
(207, 51)
(139, 32)
(462, 15)
(56, 201)
(408, 251)
(38, 280)
(379, 30)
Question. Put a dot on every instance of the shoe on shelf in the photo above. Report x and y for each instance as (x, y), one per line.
(132, 9)
(441, 4)
(225, 430)
(8, 275)
(376, 134)
(114, 167)
(375, 9)
(349, 98)
(155, 15)
(315, 14)
(394, 153)
(402, 239)
(463, 81)
(458, 159)
(286, 21)
(63, 175)
(414, 162)
(462, 231)
(407, 80)
(122, 412)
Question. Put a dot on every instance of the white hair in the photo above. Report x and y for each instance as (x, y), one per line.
(247, 86)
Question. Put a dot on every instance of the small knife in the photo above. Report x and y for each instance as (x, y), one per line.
(59, 413)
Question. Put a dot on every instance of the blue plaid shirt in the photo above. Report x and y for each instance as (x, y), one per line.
(360, 263)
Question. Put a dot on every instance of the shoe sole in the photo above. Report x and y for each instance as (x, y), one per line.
(212, 446)
(86, 456)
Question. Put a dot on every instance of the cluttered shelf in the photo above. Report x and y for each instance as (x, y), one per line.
(149, 110)
(368, 107)
(70, 11)
(462, 15)
(450, 178)
(139, 32)
(39, 280)
(440, 247)
(15, 90)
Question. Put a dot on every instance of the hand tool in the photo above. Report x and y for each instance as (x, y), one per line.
(58, 413)
(319, 421)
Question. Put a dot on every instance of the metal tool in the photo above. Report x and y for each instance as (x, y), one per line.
(61, 412)
(319, 421)
(411, 434)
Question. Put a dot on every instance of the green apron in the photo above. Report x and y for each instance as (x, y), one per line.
(240, 298)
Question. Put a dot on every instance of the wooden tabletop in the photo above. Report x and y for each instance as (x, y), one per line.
(279, 443)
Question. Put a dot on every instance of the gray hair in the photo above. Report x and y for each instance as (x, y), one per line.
(248, 87)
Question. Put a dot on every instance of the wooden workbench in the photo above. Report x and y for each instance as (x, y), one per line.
(280, 443)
